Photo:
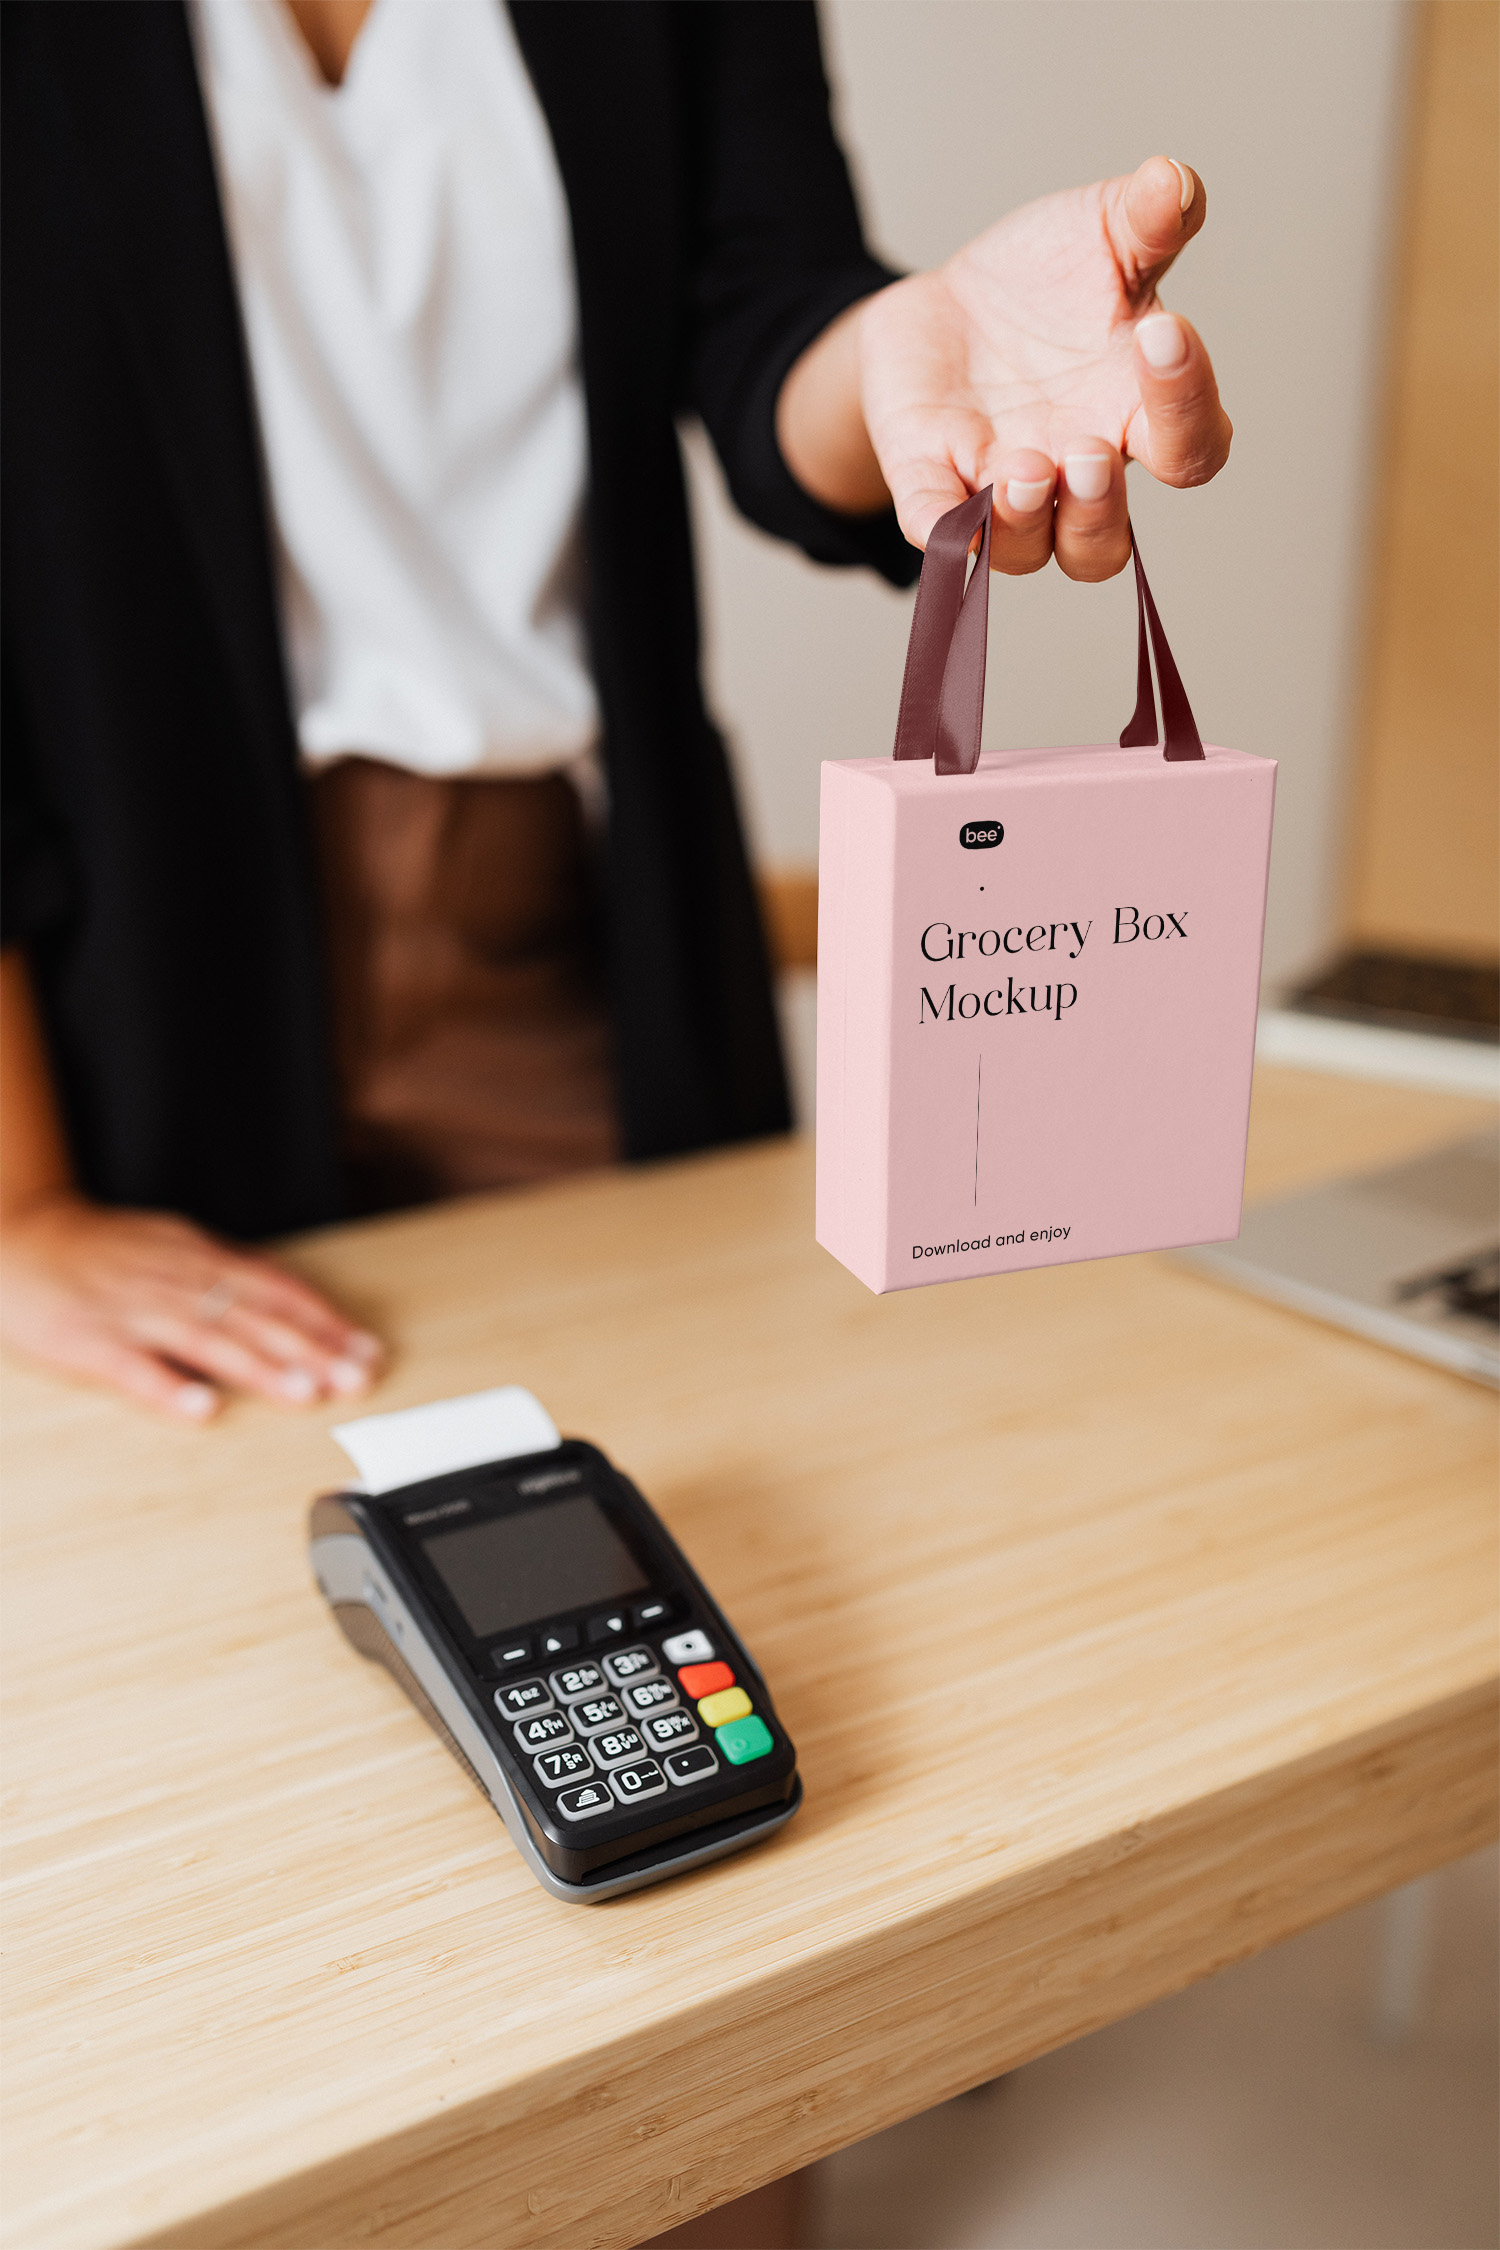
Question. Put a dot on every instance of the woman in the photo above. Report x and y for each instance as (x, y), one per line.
(366, 834)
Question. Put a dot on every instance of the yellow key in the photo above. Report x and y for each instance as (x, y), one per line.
(729, 1703)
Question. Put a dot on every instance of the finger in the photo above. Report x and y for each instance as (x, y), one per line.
(332, 1369)
(1180, 431)
(139, 1374)
(1021, 535)
(190, 1265)
(211, 1349)
(281, 1295)
(1091, 534)
(1152, 216)
(933, 489)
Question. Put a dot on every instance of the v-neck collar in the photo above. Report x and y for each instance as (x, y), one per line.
(290, 31)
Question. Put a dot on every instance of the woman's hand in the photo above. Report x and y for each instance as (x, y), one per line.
(152, 1306)
(143, 1302)
(1038, 359)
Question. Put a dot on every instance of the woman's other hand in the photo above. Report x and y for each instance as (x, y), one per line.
(145, 1303)
(154, 1307)
(1038, 359)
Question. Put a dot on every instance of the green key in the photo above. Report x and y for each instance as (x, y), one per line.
(744, 1739)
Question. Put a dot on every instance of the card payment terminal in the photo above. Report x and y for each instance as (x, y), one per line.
(543, 1621)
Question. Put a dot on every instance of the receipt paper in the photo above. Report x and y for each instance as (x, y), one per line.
(390, 1450)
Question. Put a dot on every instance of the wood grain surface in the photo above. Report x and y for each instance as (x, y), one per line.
(1124, 1626)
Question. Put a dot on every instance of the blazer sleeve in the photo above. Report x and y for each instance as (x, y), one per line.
(36, 882)
(776, 253)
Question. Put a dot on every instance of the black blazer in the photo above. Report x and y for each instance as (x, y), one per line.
(156, 863)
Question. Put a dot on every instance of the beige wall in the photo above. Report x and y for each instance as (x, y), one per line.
(956, 110)
(1425, 856)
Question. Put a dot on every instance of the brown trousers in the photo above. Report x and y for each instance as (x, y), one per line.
(472, 1034)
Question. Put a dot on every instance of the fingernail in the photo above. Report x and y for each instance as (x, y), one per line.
(1163, 341)
(347, 1377)
(362, 1345)
(1088, 475)
(1026, 496)
(297, 1385)
(1185, 177)
(197, 1401)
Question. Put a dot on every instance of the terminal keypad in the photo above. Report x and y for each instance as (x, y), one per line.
(635, 1726)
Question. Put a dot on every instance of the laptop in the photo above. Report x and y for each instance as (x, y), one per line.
(1409, 1255)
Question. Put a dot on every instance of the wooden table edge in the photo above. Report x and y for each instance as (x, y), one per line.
(958, 1993)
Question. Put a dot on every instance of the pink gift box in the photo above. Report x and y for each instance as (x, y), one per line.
(1037, 990)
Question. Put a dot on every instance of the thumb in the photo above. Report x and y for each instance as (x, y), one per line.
(1152, 216)
(1179, 430)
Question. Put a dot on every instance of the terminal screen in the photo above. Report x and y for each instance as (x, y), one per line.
(511, 1570)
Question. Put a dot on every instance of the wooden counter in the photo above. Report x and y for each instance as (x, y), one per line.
(1124, 1626)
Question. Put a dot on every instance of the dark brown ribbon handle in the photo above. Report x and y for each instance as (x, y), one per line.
(1182, 737)
(942, 689)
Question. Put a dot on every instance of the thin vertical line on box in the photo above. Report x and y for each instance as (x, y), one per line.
(978, 1091)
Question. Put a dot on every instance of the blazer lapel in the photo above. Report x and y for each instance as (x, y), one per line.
(128, 89)
(604, 75)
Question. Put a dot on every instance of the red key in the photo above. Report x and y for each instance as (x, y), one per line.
(705, 1679)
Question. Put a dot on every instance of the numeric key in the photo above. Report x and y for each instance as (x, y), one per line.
(597, 1714)
(544, 1732)
(615, 1748)
(524, 1697)
(630, 1664)
(570, 1763)
(669, 1730)
(644, 1780)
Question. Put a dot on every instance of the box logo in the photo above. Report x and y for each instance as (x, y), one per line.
(981, 835)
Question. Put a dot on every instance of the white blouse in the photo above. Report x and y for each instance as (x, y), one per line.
(405, 272)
